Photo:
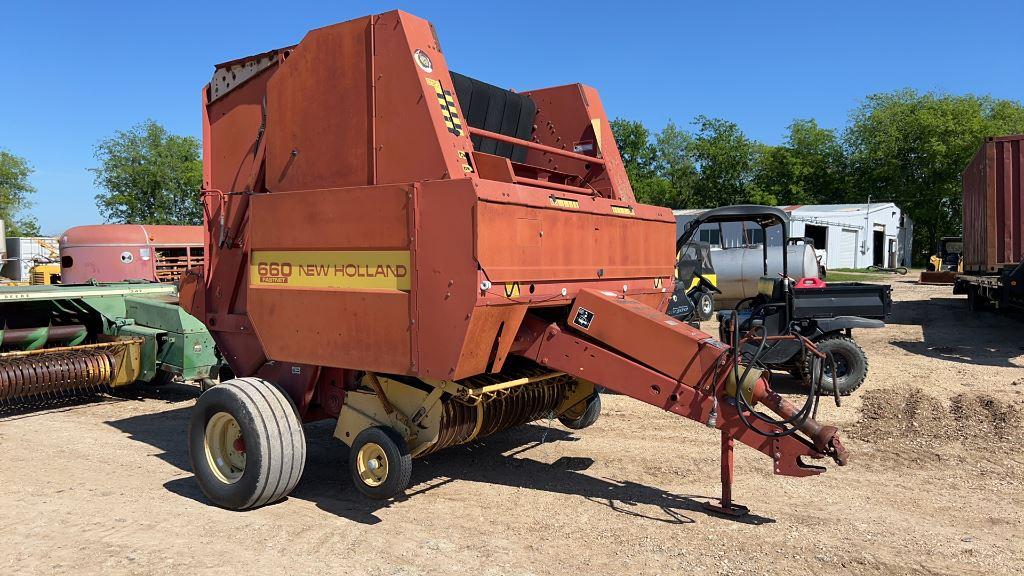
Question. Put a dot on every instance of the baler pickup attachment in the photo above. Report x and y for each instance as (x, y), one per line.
(633, 349)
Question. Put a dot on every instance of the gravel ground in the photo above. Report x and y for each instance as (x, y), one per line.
(935, 484)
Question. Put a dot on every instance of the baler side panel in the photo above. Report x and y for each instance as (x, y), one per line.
(319, 111)
(326, 306)
(519, 243)
(229, 143)
(572, 118)
(413, 140)
(446, 278)
(231, 129)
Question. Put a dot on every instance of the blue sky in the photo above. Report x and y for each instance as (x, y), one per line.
(77, 71)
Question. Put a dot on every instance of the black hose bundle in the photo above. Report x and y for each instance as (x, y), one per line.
(810, 407)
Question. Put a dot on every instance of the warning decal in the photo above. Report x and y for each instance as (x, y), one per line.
(583, 318)
(366, 270)
(448, 108)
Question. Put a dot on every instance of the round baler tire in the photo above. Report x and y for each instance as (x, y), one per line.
(589, 416)
(398, 462)
(704, 300)
(856, 360)
(274, 444)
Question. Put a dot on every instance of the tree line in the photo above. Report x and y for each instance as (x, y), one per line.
(146, 175)
(904, 147)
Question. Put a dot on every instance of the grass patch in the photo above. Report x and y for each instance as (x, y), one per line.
(845, 276)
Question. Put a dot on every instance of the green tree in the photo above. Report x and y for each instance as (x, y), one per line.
(15, 192)
(725, 158)
(659, 166)
(149, 176)
(911, 148)
(808, 168)
(639, 156)
(675, 166)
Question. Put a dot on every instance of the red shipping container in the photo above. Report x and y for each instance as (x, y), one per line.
(993, 195)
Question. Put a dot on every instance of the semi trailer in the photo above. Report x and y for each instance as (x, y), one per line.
(993, 226)
(429, 259)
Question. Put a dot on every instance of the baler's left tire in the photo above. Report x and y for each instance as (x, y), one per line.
(380, 463)
(589, 416)
(246, 444)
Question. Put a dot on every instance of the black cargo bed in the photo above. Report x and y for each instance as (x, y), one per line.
(843, 299)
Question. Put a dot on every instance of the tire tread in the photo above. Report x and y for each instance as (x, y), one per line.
(807, 366)
(279, 432)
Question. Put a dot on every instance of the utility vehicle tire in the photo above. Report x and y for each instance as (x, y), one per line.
(246, 444)
(704, 305)
(380, 463)
(589, 416)
(851, 365)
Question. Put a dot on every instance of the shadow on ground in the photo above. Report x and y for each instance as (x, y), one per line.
(501, 459)
(38, 406)
(952, 332)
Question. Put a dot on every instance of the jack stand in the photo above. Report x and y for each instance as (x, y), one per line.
(726, 505)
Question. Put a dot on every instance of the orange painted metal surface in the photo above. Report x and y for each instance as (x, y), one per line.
(351, 145)
(351, 226)
(554, 346)
(670, 346)
(994, 205)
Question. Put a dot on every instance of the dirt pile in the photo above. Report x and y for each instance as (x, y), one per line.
(985, 416)
(908, 414)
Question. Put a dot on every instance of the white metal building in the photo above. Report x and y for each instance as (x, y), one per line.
(853, 235)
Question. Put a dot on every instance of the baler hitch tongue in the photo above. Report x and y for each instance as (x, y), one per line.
(825, 438)
(835, 449)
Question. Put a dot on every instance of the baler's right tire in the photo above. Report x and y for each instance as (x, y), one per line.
(246, 444)
(380, 463)
(589, 416)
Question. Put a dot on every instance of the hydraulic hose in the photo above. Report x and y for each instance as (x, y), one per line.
(789, 425)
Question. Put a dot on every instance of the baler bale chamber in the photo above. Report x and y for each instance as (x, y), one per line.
(431, 259)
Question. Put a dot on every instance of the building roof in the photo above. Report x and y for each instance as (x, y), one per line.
(837, 209)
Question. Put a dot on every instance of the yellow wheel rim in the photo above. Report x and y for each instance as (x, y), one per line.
(225, 447)
(372, 464)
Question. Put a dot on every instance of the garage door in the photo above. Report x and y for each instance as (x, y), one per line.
(847, 248)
